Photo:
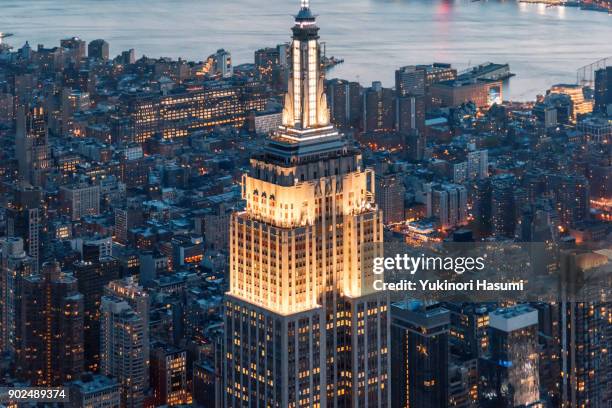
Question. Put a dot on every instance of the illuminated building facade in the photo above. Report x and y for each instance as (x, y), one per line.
(390, 193)
(176, 115)
(32, 145)
(580, 105)
(138, 299)
(585, 334)
(52, 349)
(169, 375)
(410, 80)
(300, 329)
(454, 93)
(122, 349)
(512, 370)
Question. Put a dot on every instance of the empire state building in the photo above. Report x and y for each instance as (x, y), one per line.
(302, 329)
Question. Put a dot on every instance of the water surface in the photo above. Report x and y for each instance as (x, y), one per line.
(542, 45)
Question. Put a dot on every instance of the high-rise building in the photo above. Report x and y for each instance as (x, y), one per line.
(98, 49)
(584, 334)
(378, 113)
(126, 219)
(437, 72)
(26, 220)
(415, 143)
(122, 349)
(14, 266)
(478, 164)
(128, 56)
(92, 276)
(572, 199)
(420, 353)
(481, 205)
(603, 90)
(266, 60)
(344, 100)
(410, 80)
(463, 383)
(512, 369)
(410, 114)
(169, 375)
(52, 328)
(271, 66)
(600, 169)
(301, 327)
(503, 220)
(31, 144)
(447, 203)
(390, 193)
(138, 299)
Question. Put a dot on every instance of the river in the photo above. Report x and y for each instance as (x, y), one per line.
(543, 45)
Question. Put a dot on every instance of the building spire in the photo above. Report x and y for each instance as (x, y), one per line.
(305, 4)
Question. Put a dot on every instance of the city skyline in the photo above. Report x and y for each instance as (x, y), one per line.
(219, 234)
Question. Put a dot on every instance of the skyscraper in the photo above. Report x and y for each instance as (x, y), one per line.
(584, 333)
(512, 370)
(122, 351)
(26, 220)
(15, 265)
(420, 347)
(390, 193)
(138, 299)
(344, 102)
(92, 275)
(603, 90)
(502, 205)
(378, 112)
(31, 144)
(410, 114)
(300, 327)
(51, 328)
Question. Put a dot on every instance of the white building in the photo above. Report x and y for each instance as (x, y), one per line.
(122, 349)
(447, 203)
(80, 200)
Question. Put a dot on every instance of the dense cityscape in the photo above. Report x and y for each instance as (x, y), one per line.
(191, 233)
